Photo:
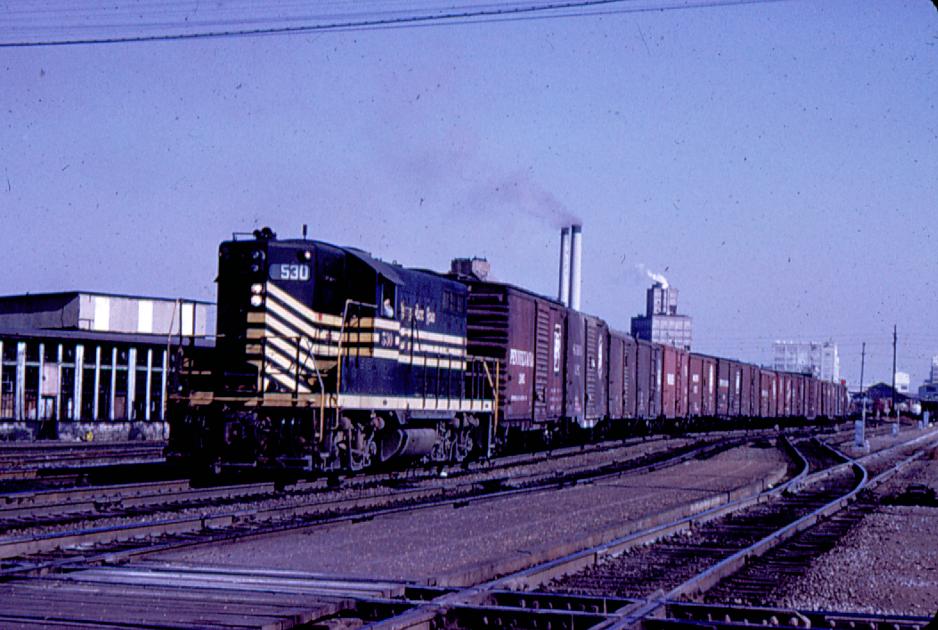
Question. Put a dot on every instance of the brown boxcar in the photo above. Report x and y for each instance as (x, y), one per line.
(630, 376)
(723, 387)
(784, 394)
(709, 398)
(615, 386)
(749, 374)
(575, 361)
(797, 407)
(669, 381)
(736, 389)
(695, 386)
(812, 396)
(674, 382)
(525, 333)
(648, 380)
(595, 368)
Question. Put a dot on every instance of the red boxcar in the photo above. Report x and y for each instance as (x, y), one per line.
(674, 382)
(525, 333)
(695, 385)
(709, 398)
(615, 385)
(596, 369)
(648, 380)
(574, 392)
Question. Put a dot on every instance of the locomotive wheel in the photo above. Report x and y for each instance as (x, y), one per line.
(359, 442)
(464, 445)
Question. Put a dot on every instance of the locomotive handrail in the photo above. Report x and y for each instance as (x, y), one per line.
(338, 380)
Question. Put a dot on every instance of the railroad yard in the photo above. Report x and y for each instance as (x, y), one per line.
(759, 527)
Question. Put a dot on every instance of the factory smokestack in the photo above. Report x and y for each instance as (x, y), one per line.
(576, 265)
(563, 292)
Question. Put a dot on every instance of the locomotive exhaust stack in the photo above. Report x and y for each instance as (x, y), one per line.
(564, 290)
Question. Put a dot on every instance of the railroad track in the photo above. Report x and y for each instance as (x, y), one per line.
(58, 464)
(513, 601)
(157, 520)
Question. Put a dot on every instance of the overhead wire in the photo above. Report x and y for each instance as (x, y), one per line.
(466, 13)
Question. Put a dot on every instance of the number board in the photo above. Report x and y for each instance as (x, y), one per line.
(292, 271)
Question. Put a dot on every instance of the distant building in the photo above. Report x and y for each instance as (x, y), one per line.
(91, 357)
(933, 373)
(821, 359)
(661, 322)
(928, 392)
(903, 382)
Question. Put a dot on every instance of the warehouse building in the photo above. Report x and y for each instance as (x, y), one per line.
(822, 359)
(75, 362)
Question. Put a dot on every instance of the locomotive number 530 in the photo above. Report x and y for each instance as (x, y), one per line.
(290, 272)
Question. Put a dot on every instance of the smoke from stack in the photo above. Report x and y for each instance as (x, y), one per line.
(655, 277)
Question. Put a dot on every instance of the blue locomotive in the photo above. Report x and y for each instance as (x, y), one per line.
(327, 358)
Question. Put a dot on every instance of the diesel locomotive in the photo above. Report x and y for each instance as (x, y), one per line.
(329, 359)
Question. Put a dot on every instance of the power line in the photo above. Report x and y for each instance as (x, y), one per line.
(488, 13)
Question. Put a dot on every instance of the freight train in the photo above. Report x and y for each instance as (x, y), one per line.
(330, 359)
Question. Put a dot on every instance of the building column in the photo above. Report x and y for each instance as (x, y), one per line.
(1, 378)
(79, 379)
(163, 385)
(111, 402)
(146, 411)
(58, 390)
(42, 361)
(131, 382)
(19, 395)
(97, 382)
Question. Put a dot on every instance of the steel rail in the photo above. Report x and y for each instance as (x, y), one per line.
(533, 576)
(202, 525)
(711, 576)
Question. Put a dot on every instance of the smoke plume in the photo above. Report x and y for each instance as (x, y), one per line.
(656, 277)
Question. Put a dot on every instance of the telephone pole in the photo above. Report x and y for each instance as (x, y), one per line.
(895, 428)
(860, 428)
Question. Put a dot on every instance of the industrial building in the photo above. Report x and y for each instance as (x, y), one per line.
(661, 322)
(82, 357)
(821, 359)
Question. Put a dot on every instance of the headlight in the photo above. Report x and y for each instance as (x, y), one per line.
(257, 288)
(256, 300)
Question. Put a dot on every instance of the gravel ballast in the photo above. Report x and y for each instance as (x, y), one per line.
(483, 538)
(888, 563)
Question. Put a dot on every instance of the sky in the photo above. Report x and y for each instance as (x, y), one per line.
(777, 161)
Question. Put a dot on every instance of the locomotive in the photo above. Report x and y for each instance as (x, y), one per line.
(329, 359)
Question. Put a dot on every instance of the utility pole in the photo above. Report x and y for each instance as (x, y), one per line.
(895, 428)
(860, 429)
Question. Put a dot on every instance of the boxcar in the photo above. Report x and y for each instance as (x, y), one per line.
(524, 332)
(647, 380)
(596, 370)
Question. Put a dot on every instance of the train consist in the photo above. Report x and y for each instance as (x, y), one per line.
(330, 359)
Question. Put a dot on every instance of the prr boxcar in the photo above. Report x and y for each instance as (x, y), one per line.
(523, 332)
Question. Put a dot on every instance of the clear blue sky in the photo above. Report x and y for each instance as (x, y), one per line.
(777, 161)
